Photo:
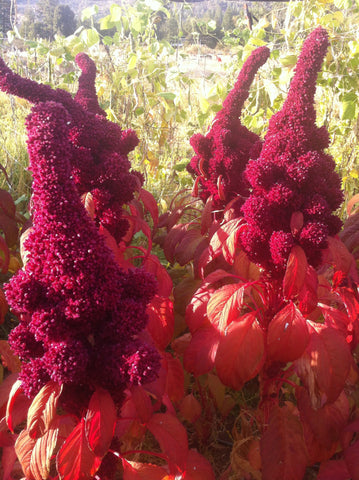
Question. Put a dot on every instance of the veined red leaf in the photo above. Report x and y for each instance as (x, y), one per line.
(152, 264)
(295, 272)
(283, 450)
(339, 255)
(173, 237)
(4, 307)
(161, 321)
(200, 354)
(296, 223)
(222, 234)
(5, 257)
(241, 352)
(100, 422)
(142, 404)
(7, 204)
(142, 471)
(150, 204)
(172, 437)
(351, 203)
(287, 335)
(198, 467)
(326, 422)
(43, 409)
(308, 297)
(174, 378)
(75, 460)
(225, 305)
(230, 246)
(88, 203)
(325, 365)
(333, 470)
(23, 448)
(196, 311)
(8, 358)
(42, 453)
(185, 249)
(17, 406)
(207, 215)
(190, 408)
(351, 457)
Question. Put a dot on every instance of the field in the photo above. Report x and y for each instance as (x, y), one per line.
(179, 250)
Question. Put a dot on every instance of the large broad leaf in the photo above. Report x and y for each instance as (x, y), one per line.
(17, 406)
(196, 311)
(241, 352)
(43, 409)
(23, 448)
(326, 422)
(8, 359)
(174, 378)
(42, 453)
(100, 422)
(152, 264)
(283, 450)
(190, 408)
(295, 272)
(333, 470)
(351, 457)
(198, 467)
(150, 204)
(200, 354)
(161, 321)
(221, 236)
(75, 460)
(142, 471)
(186, 248)
(308, 296)
(325, 365)
(225, 305)
(172, 437)
(287, 335)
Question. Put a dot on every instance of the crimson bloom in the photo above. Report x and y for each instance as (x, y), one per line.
(222, 154)
(294, 188)
(80, 313)
(99, 160)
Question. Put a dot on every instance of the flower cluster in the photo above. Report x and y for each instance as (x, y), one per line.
(294, 188)
(80, 313)
(99, 160)
(222, 154)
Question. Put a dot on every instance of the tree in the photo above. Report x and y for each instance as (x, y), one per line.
(64, 20)
(6, 15)
(228, 20)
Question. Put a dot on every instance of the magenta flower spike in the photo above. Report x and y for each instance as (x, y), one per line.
(99, 160)
(222, 154)
(294, 186)
(80, 313)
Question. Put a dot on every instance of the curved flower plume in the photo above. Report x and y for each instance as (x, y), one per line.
(99, 160)
(80, 313)
(222, 154)
(294, 186)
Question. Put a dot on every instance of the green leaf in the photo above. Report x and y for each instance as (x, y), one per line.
(90, 37)
(107, 40)
(167, 95)
(56, 52)
(347, 110)
(106, 23)
(132, 62)
(154, 4)
(89, 12)
(116, 13)
(289, 60)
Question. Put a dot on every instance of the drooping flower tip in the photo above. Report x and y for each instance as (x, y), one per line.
(86, 95)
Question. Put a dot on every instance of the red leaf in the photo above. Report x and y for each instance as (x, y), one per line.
(100, 422)
(185, 249)
(296, 223)
(225, 305)
(351, 457)
(8, 459)
(196, 311)
(17, 406)
(5, 389)
(8, 359)
(241, 352)
(172, 437)
(4, 307)
(198, 467)
(295, 272)
(142, 404)
(190, 408)
(75, 460)
(5, 257)
(287, 335)
(201, 352)
(333, 470)
(23, 447)
(7, 205)
(142, 471)
(207, 215)
(152, 264)
(174, 378)
(222, 234)
(88, 203)
(150, 204)
(173, 237)
(161, 321)
(326, 422)
(308, 297)
(43, 409)
(11, 231)
(283, 450)
(325, 365)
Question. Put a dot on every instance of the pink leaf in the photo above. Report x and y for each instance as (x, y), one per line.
(100, 422)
